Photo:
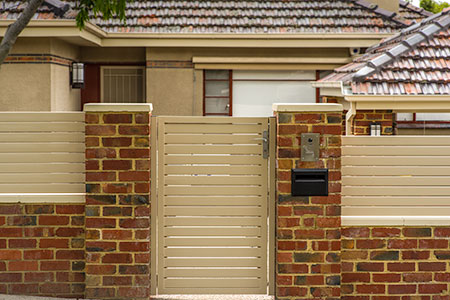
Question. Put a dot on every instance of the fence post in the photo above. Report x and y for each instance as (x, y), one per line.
(308, 227)
(117, 201)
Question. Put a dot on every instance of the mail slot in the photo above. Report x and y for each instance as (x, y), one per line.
(309, 182)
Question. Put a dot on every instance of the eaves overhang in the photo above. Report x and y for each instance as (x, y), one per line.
(329, 88)
(96, 36)
(401, 103)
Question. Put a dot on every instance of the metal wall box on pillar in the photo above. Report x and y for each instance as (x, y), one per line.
(309, 182)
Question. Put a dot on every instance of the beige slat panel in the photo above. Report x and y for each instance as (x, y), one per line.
(42, 188)
(221, 128)
(396, 170)
(213, 190)
(41, 126)
(213, 221)
(213, 200)
(212, 139)
(213, 170)
(42, 178)
(395, 201)
(213, 252)
(395, 150)
(42, 147)
(212, 282)
(396, 140)
(211, 231)
(215, 241)
(214, 291)
(213, 120)
(213, 159)
(212, 272)
(213, 211)
(213, 262)
(394, 160)
(43, 137)
(41, 157)
(395, 191)
(42, 168)
(42, 116)
(396, 211)
(214, 180)
(396, 180)
(213, 149)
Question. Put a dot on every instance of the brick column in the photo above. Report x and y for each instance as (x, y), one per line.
(118, 201)
(308, 228)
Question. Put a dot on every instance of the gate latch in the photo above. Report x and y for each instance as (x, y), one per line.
(265, 144)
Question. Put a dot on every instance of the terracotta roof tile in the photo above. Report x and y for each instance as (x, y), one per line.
(238, 16)
(415, 61)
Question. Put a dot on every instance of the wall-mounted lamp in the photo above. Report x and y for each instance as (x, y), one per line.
(77, 75)
(375, 129)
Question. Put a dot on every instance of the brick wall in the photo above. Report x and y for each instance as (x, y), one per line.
(308, 228)
(117, 205)
(42, 249)
(394, 262)
(363, 119)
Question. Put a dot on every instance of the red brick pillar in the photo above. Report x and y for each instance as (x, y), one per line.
(308, 228)
(118, 201)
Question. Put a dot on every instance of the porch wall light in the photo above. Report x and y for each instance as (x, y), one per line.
(77, 75)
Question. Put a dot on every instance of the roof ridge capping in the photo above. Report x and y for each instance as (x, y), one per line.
(381, 11)
(406, 30)
(406, 45)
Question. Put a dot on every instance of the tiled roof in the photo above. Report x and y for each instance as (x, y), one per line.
(415, 61)
(411, 12)
(237, 16)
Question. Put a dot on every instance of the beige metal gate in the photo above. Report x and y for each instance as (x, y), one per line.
(210, 208)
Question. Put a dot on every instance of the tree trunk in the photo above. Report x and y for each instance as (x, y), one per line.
(16, 28)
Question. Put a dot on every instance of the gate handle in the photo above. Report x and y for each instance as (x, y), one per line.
(260, 139)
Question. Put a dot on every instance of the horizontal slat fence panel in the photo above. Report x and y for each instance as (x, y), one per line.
(395, 180)
(212, 205)
(42, 156)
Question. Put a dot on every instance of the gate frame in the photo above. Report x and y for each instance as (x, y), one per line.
(271, 206)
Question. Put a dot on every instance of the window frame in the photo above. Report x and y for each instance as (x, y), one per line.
(419, 122)
(230, 83)
(102, 69)
(230, 94)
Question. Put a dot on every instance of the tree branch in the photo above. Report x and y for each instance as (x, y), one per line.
(16, 28)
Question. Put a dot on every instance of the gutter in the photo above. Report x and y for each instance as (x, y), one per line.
(94, 34)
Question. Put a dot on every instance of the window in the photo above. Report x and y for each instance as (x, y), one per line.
(244, 93)
(217, 93)
(122, 84)
(423, 117)
(254, 92)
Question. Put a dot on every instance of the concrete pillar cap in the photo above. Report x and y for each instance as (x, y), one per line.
(307, 107)
(118, 107)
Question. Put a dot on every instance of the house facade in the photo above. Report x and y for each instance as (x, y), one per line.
(405, 74)
(192, 58)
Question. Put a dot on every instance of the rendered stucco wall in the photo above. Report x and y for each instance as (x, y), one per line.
(174, 87)
(391, 5)
(35, 77)
(25, 87)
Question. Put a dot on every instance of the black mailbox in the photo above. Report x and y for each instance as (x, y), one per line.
(309, 182)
